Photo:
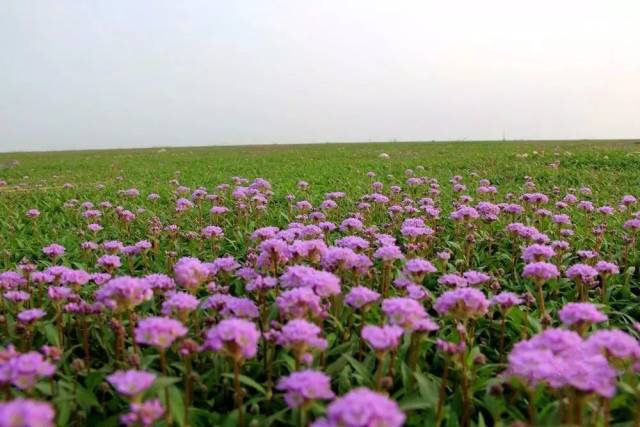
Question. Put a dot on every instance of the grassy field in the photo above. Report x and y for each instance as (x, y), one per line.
(430, 384)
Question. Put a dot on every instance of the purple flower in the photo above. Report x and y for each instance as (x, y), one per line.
(190, 273)
(54, 250)
(453, 280)
(180, 303)
(260, 283)
(582, 273)
(615, 345)
(361, 296)
(26, 413)
(417, 268)
(323, 283)
(109, 262)
(383, 338)
(465, 213)
(25, 370)
(124, 293)
(17, 296)
(506, 300)
(355, 243)
(227, 264)
(476, 278)
(30, 316)
(143, 414)
(559, 358)
(299, 302)
(607, 268)
(463, 303)
(302, 387)
(131, 383)
(301, 335)
(362, 407)
(540, 271)
(404, 312)
(159, 332)
(160, 282)
(240, 307)
(237, 338)
(33, 213)
(388, 253)
(537, 253)
(580, 313)
(211, 232)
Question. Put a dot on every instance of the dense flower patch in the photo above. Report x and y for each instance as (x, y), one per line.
(418, 302)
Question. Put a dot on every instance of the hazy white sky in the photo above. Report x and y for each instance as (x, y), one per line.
(122, 73)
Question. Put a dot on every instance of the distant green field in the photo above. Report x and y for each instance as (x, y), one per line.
(327, 166)
(611, 168)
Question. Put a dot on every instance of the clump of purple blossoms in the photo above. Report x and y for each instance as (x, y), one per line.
(29, 316)
(26, 413)
(537, 253)
(418, 268)
(404, 312)
(190, 273)
(236, 338)
(143, 414)
(303, 387)
(25, 370)
(323, 283)
(453, 280)
(540, 271)
(382, 338)
(581, 313)
(361, 296)
(53, 250)
(506, 300)
(362, 407)
(559, 358)
(582, 273)
(462, 303)
(301, 336)
(388, 254)
(159, 332)
(299, 303)
(179, 303)
(131, 383)
(124, 293)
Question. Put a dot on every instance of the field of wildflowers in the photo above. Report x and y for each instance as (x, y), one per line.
(418, 284)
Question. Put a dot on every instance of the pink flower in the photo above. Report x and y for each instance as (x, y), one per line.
(382, 339)
(362, 407)
(462, 303)
(190, 273)
(159, 332)
(302, 387)
(131, 383)
(580, 313)
(541, 271)
(143, 414)
(237, 338)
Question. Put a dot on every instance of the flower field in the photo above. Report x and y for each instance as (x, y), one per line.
(419, 284)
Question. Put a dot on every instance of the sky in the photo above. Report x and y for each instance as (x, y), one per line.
(146, 73)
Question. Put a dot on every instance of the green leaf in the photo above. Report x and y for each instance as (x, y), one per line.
(177, 405)
(248, 382)
(85, 398)
(51, 333)
(359, 368)
(428, 389)
(413, 403)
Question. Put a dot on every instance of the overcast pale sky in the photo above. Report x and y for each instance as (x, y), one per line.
(121, 73)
